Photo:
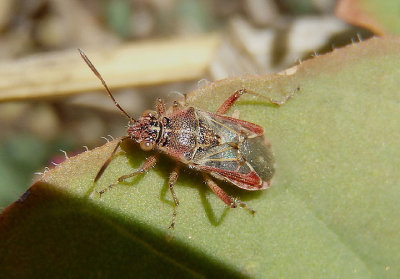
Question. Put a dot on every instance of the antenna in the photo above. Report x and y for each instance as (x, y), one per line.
(93, 68)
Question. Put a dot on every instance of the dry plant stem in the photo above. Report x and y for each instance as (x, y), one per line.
(61, 74)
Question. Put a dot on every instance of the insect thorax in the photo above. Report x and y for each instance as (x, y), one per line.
(183, 133)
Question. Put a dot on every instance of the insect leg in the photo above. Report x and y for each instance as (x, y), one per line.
(229, 201)
(235, 96)
(171, 182)
(148, 164)
(106, 163)
(177, 105)
(230, 101)
(275, 102)
(185, 100)
(160, 107)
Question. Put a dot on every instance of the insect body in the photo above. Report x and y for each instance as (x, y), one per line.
(216, 145)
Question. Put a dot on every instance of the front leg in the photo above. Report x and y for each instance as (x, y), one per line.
(178, 106)
(109, 159)
(148, 164)
(160, 107)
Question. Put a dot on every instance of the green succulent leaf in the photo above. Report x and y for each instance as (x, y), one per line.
(332, 210)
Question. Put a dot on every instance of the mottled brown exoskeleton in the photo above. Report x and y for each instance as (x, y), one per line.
(226, 148)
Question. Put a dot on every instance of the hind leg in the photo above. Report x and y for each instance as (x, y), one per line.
(231, 100)
(228, 200)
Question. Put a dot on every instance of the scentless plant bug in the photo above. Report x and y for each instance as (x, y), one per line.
(218, 146)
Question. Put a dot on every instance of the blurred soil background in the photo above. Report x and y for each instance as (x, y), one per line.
(50, 101)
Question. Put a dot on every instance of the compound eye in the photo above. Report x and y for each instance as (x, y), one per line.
(148, 112)
(146, 145)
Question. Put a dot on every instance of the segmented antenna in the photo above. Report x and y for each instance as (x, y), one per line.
(94, 70)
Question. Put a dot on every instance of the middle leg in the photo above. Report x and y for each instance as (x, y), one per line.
(173, 177)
